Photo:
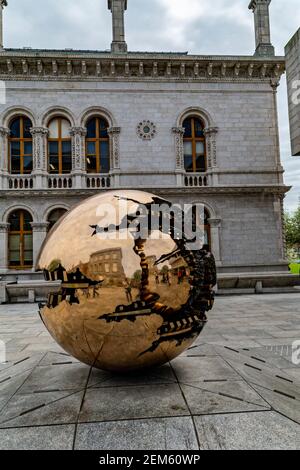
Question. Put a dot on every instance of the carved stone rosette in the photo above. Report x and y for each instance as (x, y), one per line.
(211, 146)
(39, 148)
(179, 151)
(4, 134)
(114, 133)
(78, 148)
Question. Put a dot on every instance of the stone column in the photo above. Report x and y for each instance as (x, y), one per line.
(3, 3)
(78, 156)
(260, 9)
(215, 227)
(4, 227)
(179, 154)
(39, 232)
(211, 153)
(118, 8)
(114, 148)
(274, 86)
(39, 154)
(4, 134)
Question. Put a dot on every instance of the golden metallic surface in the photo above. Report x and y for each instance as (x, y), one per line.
(122, 304)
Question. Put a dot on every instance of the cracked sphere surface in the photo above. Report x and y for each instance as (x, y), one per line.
(125, 301)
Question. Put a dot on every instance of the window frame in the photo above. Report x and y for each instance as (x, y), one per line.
(193, 139)
(22, 233)
(97, 140)
(60, 141)
(22, 140)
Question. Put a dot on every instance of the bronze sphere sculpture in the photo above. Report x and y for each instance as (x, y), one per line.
(127, 300)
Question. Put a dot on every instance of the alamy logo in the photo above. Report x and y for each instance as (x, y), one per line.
(2, 352)
(296, 94)
(296, 353)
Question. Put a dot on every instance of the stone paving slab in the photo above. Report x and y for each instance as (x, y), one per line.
(229, 390)
(117, 403)
(37, 438)
(247, 431)
(148, 434)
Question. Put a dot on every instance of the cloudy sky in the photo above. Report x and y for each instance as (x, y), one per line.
(197, 26)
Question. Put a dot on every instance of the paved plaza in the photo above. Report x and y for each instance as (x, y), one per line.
(235, 388)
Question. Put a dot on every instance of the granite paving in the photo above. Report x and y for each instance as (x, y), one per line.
(236, 387)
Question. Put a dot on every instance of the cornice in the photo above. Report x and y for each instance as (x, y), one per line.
(205, 190)
(23, 64)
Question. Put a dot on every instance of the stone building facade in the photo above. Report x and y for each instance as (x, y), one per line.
(292, 52)
(146, 101)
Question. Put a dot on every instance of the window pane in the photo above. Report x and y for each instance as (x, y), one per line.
(188, 163)
(15, 149)
(65, 129)
(104, 162)
(14, 221)
(53, 148)
(91, 164)
(91, 128)
(104, 150)
(53, 129)
(104, 165)
(28, 242)
(28, 259)
(91, 148)
(27, 221)
(198, 128)
(188, 148)
(199, 148)
(53, 164)
(187, 124)
(27, 164)
(66, 148)
(15, 165)
(26, 128)
(15, 128)
(66, 157)
(14, 242)
(28, 148)
(200, 163)
(103, 128)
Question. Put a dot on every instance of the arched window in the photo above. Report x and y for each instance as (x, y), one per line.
(194, 145)
(20, 240)
(59, 146)
(20, 146)
(54, 216)
(97, 146)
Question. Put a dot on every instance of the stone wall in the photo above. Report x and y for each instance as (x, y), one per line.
(292, 51)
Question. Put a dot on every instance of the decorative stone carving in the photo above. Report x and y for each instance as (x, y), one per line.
(114, 133)
(78, 148)
(16, 67)
(39, 148)
(39, 226)
(146, 130)
(179, 133)
(4, 134)
(211, 146)
(4, 227)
